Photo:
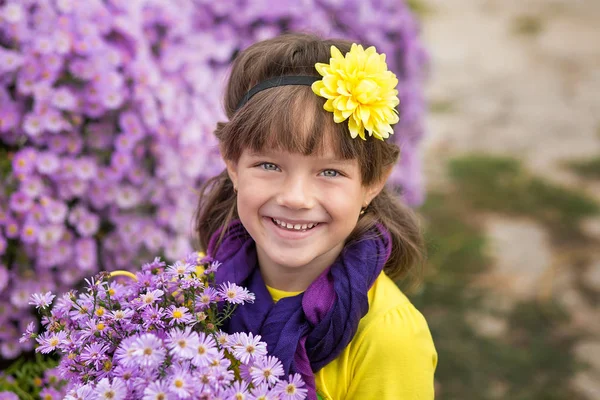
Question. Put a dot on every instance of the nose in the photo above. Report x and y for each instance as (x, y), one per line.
(296, 193)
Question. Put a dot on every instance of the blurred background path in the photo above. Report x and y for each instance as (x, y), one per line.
(519, 80)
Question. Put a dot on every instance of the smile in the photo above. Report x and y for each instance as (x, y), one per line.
(294, 227)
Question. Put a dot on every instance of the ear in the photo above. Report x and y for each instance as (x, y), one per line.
(377, 187)
(232, 172)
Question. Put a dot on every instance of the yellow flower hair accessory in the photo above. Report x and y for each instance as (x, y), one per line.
(359, 87)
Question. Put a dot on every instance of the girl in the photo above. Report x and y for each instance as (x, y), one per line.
(302, 218)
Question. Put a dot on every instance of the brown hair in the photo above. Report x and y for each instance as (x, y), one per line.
(291, 118)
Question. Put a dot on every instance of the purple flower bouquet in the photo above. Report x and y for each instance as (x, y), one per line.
(156, 336)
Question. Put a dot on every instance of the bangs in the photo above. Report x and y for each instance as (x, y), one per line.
(292, 119)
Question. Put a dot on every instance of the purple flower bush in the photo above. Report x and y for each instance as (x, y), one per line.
(106, 115)
(158, 337)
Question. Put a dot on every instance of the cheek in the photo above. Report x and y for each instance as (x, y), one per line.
(249, 199)
(343, 204)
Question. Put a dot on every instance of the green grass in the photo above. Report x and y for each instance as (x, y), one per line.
(442, 106)
(419, 7)
(536, 358)
(528, 25)
(589, 168)
(501, 185)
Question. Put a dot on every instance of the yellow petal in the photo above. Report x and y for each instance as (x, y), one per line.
(338, 117)
(322, 69)
(369, 125)
(328, 106)
(364, 113)
(342, 88)
(354, 129)
(351, 104)
(317, 87)
(330, 82)
(338, 103)
(336, 53)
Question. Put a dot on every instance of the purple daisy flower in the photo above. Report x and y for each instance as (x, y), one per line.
(20, 202)
(249, 348)
(180, 269)
(239, 390)
(293, 389)
(49, 341)
(115, 390)
(233, 293)
(94, 354)
(42, 300)
(153, 316)
(181, 382)
(183, 343)
(205, 349)
(262, 392)
(148, 298)
(266, 370)
(157, 390)
(29, 333)
(80, 393)
(49, 393)
(178, 315)
(149, 350)
(209, 295)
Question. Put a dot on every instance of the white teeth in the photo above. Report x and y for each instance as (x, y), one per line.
(297, 227)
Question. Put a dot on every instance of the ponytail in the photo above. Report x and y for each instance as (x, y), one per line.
(216, 208)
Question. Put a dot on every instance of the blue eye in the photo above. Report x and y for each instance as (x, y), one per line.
(268, 166)
(331, 173)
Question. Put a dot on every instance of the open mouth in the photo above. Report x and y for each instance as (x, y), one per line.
(294, 227)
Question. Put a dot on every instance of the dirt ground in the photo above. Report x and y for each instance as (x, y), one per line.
(519, 78)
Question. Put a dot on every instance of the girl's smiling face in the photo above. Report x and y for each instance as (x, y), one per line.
(299, 209)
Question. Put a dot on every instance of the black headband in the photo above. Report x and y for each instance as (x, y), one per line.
(278, 81)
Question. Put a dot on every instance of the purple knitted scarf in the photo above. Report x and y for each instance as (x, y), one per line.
(311, 329)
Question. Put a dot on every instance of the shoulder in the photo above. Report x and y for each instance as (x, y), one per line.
(390, 308)
(393, 351)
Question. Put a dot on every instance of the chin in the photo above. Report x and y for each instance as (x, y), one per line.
(290, 259)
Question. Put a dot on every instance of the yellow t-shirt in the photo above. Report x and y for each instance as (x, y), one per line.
(391, 357)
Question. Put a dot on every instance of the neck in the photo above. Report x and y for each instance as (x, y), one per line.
(296, 278)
